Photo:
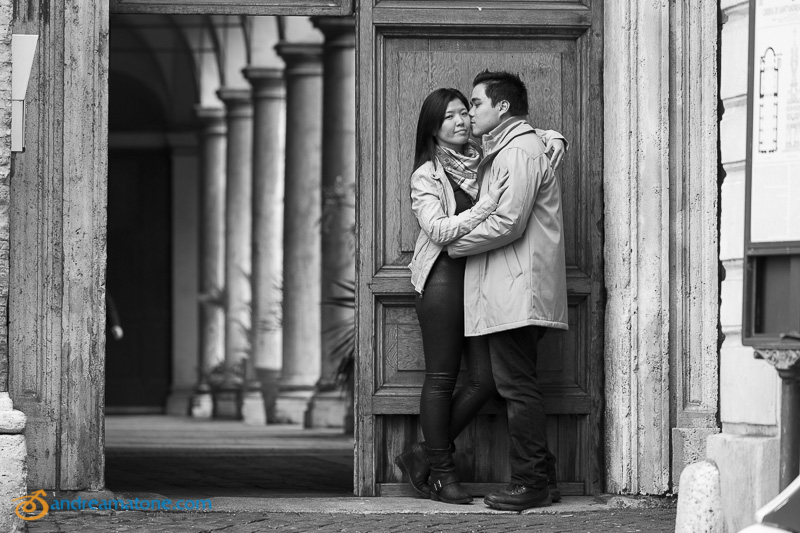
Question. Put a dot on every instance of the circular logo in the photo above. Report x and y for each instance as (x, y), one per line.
(30, 504)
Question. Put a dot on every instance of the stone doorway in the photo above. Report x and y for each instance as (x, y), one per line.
(660, 355)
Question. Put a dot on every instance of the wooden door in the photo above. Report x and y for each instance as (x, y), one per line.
(406, 49)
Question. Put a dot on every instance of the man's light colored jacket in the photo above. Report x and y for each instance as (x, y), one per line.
(516, 272)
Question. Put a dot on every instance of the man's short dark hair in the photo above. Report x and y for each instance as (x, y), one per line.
(505, 86)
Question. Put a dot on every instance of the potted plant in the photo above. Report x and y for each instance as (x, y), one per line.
(342, 336)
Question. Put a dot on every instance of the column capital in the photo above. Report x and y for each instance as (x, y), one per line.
(784, 360)
(182, 143)
(209, 113)
(238, 101)
(338, 31)
(212, 119)
(267, 82)
(302, 59)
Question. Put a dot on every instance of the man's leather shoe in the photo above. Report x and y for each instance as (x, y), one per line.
(518, 498)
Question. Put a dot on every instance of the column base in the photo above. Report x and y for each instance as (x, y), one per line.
(688, 447)
(202, 405)
(253, 413)
(13, 467)
(228, 404)
(179, 402)
(748, 470)
(326, 410)
(291, 406)
(269, 390)
(349, 419)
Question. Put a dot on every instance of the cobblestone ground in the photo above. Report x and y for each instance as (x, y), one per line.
(616, 521)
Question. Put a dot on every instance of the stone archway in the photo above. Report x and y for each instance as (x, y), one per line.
(58, 230)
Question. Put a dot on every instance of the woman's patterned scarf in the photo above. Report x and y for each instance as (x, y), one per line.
(462, 168)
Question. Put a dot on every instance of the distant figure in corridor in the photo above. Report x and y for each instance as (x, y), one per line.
(113, 325)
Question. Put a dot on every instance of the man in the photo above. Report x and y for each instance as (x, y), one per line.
(515, 283)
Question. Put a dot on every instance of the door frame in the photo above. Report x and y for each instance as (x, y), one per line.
(382, 286)
(237, 7)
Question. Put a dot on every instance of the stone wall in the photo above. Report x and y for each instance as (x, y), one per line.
(13, 473)
(57, 236)
(747, 451)
(5, 172)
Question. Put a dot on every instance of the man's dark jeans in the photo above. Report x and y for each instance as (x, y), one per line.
(513, 354)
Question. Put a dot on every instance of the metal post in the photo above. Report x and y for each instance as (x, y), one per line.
(790, 426)
(787, 363)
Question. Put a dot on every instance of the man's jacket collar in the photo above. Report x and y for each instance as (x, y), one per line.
(495, 140)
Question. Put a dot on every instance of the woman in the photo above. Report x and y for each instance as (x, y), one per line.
(444, 193)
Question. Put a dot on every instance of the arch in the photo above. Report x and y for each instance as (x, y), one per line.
(263, 33)
(136, 63)
(233, 50)
(300, 30)
(134, 104)
(164, 46)
(197, 32)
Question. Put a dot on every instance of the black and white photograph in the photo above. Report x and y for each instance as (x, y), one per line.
(358, 266)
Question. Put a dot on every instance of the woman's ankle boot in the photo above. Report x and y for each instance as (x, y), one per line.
(444, 483)
(414, 464)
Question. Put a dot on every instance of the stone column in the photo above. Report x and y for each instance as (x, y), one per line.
(660, 172)
(212, 247)
(694, 302)
(238, 235)
(328, 407)
(185, 262)
(637, 262)
(301, 233)
(787, 364)
(268, 166)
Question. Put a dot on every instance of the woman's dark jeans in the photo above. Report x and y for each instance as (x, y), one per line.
(441, 316)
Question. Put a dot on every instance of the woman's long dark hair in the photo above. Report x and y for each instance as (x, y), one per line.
(431, 117)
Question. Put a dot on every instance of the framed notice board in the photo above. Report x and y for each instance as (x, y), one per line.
(771, 314)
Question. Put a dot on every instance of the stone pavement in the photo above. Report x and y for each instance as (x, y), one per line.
(284, 478)
(622, 521)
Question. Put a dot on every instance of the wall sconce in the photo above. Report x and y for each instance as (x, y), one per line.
(23, 49)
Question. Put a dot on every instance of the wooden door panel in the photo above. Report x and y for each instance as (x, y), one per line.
(451, 17)
(549, 67)
(400, 364)
(406, 49)
(482, 452)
